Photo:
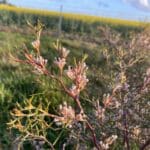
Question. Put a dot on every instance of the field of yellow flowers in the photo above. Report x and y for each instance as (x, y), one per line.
(71, 22)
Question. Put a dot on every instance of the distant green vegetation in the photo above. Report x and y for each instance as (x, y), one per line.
(11, 15)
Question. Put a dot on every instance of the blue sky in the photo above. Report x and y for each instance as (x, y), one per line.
(125, 9)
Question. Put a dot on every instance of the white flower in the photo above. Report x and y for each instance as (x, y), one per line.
(65, 52)
(36, 44)
(67, 116)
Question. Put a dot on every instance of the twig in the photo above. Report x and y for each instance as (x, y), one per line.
(93, 135)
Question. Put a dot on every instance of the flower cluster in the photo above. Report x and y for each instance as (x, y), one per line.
(107, 142)
(35, 60)
(78, 76)
(63, 53)
(39, 63)
(60, 62)
(99, 111)
(109, 101)
(68, 116)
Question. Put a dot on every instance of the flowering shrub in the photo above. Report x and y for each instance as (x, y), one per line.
(114, 119)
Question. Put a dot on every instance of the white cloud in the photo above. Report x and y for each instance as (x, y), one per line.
(140, 4)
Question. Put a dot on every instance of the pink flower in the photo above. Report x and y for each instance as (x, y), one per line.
(68, 116)
(79, 70)
(74, 91)
(81, 81)
(78, 75)
(70, 73)
(60, 62)
(40, 64)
